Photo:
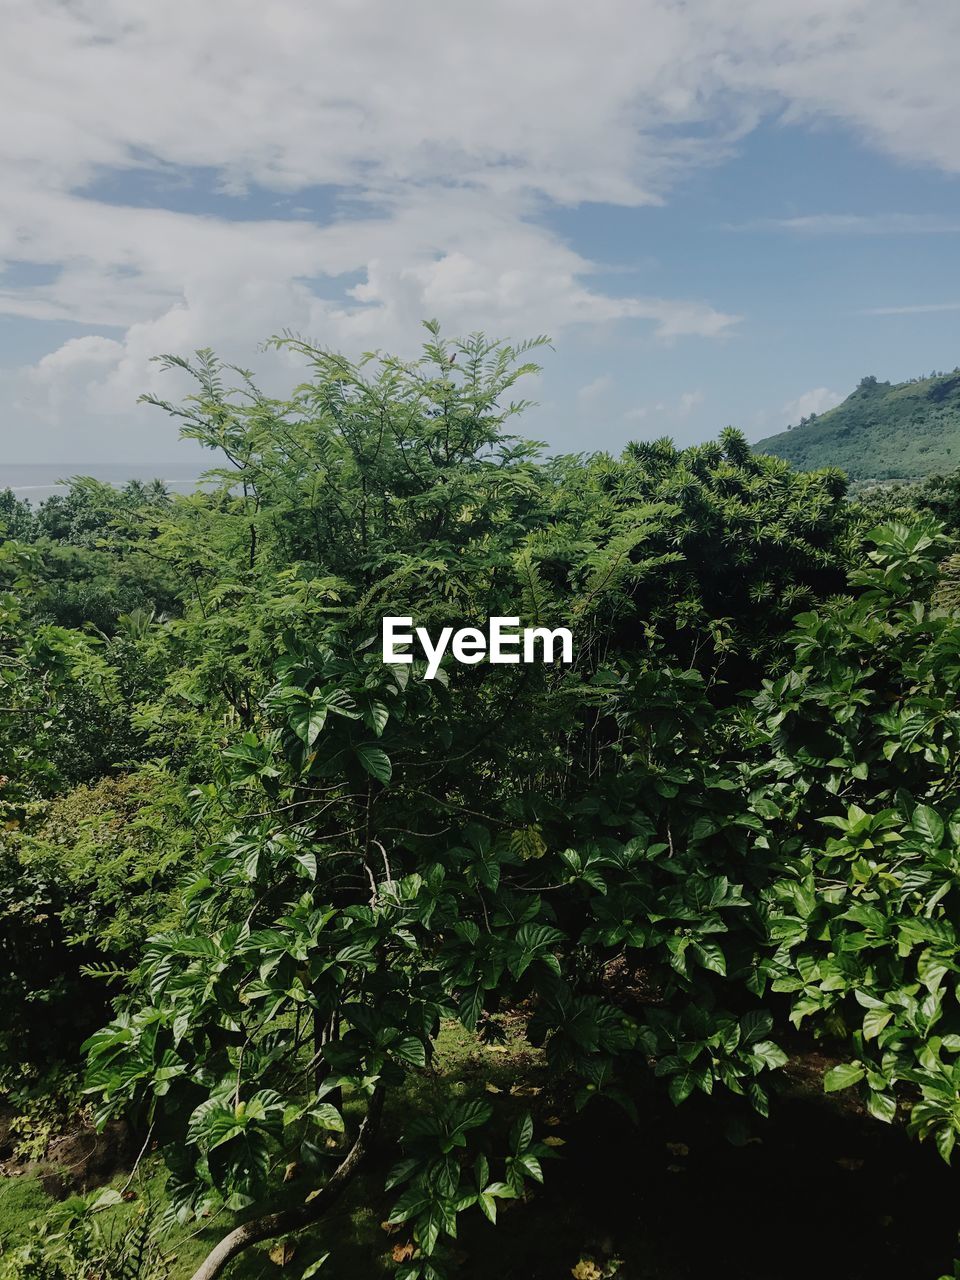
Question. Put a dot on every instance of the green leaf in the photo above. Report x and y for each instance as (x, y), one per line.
(377, 716)
(413, 1201)
(306, 723)
(769, 1054)
(428, 1229)
(931, 970)
(471, 1006)
(874, 1020)
(375, 760)
(401, 1172)
(945, 1137)
(489, 1206)
(758, 1098)
(928, 823)
(314, 1267)
(308, 861)
(410, 1050)
(755, 1025)
(711, 957)
(327, 1116)
(881, 1105)
(527, 843)
(682, 1085)
(106, 1199)
(843, 1076)
(521, 1135)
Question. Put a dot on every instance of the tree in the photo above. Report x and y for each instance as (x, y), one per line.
(400, 851)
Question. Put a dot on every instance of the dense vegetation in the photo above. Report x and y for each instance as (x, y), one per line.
(882, 431)
(251, 877)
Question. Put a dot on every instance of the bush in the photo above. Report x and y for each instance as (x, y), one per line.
(82, 881)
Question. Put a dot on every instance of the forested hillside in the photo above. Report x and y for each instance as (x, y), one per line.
(355, 970)
(882, 431)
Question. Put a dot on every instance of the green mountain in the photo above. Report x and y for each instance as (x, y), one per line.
(883, 431)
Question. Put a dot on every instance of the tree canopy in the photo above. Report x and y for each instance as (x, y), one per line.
(733, 816)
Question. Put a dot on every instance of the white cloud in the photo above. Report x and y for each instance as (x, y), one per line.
(175, 281)
(817, 400)
(437, 137)
(675, 410)
(689, 401)
(77, 353)
(595, 390)
(916, 309)
(867, 224)
(369, 93)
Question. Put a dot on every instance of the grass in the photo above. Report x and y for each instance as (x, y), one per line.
(22, 1202)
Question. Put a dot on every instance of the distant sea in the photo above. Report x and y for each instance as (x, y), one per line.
(36, 481)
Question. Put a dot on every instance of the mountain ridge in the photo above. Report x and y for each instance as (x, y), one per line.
(882, 431)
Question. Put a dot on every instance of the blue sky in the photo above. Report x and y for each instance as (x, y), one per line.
(803, 234)
(721, 213)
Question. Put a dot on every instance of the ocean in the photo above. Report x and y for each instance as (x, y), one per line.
(36, 481)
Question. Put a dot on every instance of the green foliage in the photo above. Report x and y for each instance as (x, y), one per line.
(733, 816)
(882, 431)
(726, 547)
(397, 851)
(442, 1178)
(865, 738)
(83, 878)
(91, 561)
(17, 517)
(81, 1239)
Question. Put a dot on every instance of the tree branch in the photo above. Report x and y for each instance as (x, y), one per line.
(296, 1219)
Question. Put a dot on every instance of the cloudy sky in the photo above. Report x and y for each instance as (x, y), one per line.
(721, 210)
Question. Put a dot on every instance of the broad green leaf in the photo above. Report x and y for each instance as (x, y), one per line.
(881, 1105)
(843, 1076)
(874, 1020)
(928, 823)
(375, 760)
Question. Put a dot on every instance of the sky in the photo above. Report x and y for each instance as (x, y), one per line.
(721, 211)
